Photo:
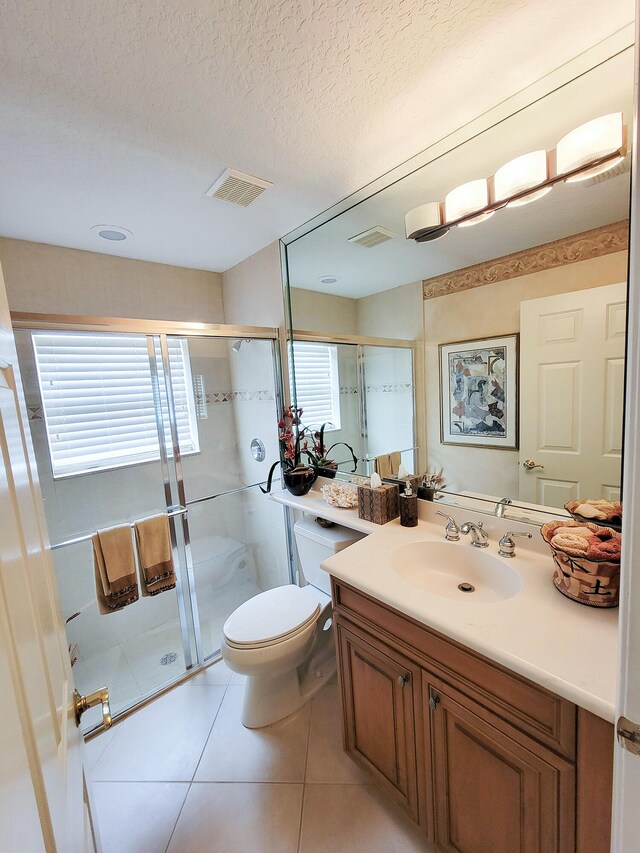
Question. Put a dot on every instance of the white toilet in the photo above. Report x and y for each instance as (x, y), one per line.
(282, 639)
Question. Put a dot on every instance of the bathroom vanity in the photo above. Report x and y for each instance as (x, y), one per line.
(474, 753)
(486, 716)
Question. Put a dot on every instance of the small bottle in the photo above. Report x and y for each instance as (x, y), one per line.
(408, 507)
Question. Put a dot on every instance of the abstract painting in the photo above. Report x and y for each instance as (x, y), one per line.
(479, 392)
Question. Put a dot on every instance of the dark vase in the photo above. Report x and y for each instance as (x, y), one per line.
(328, 471)
(299, 480)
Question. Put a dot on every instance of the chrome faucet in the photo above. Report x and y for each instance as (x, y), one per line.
(451, 530)
(507, 547)
(499, 508)
(479, 538)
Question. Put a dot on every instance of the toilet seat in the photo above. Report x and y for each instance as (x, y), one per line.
(271, 617)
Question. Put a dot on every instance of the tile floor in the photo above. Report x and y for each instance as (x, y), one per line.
(184, 776)
(142, 665)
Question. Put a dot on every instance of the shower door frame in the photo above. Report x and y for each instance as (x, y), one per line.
(158, 331)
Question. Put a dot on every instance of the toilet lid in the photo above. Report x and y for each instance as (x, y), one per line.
(271, 615)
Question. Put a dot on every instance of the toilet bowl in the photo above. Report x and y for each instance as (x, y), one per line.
(282, 639)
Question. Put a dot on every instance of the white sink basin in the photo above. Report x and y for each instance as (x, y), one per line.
(441, 567)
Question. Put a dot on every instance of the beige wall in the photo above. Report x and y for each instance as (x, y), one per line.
(483, 312)
(323, 312)
(56, 280)
(252, 290)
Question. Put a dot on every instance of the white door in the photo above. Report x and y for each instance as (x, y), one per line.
(571, 395)
(44, 796)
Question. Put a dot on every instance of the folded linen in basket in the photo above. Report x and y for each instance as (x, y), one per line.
(155, 554)
(114, 568)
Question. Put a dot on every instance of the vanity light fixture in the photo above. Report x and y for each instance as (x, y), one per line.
(523, 173)
(589, 150)
(466, 199)
(600, 138)
(425, 223)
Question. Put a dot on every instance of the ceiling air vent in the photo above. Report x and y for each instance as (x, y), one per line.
(372, 237)
(238, 188)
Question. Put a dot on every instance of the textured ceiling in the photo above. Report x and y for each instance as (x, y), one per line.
(125, 113)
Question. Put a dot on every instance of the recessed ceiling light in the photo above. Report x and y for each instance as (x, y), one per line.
(112, 232)
(328, 279)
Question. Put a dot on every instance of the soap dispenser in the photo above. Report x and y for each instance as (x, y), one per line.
(408, 507)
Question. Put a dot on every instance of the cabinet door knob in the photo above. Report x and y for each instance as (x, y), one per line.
(434, 701)
(404, 679)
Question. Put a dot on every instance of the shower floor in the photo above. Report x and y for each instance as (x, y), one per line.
(143, 665)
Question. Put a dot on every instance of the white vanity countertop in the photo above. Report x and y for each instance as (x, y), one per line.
(566, 647)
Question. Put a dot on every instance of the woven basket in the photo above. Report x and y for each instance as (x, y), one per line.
(592, 582)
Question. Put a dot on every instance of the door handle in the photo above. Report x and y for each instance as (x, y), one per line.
(529, 464)
(98, 697)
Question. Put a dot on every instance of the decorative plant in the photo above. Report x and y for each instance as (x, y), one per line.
(318, 453)
(434, 479)
(293, 443)
(298, 442)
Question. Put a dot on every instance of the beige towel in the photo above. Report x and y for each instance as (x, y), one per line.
(114, 568)
(383, 465)
(155, 554)
(395, 459)
(388, 464)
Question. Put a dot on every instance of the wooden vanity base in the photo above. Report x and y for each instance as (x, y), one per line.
(482, 759)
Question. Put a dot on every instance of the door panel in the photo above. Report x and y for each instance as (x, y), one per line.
(46, 754)
(495, 792)
(378, 696)
(571, 405)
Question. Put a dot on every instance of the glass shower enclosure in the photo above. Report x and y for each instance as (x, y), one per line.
(133, 418)
(363, 389)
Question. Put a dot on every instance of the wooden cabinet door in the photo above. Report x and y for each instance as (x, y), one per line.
(378, 691)
(495, 790)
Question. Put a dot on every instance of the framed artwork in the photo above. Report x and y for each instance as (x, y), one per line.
(479, 392)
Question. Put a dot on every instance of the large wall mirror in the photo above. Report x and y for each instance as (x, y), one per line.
(494, 353)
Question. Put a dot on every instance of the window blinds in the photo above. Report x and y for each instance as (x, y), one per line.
(317, 383)
(98, 402)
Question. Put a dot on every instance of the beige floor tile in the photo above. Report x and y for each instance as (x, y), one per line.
(239, 818)
(272, 754)
(137, 816)
(94, 748)
(327, 761)
(217, 673)
(164, 740)
(355, 819)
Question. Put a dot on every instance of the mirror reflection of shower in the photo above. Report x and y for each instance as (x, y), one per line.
(238, 344)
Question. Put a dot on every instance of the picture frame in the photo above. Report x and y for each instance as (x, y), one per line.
(479, 403)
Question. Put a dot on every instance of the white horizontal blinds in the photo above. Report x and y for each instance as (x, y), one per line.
(317, 383)
(98, 400)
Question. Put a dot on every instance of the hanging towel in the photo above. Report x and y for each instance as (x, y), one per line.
(155, 555)
(383, 465)
(388, 464)
(114, 568)
(395, 459)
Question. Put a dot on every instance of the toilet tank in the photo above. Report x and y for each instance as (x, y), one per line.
(315, 544)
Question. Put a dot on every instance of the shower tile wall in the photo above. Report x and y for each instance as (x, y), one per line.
(389, 401)
(256, 414)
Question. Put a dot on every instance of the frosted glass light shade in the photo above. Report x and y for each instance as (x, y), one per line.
(522, 173)
(423, 219)
(466, 199)
(597, 138)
